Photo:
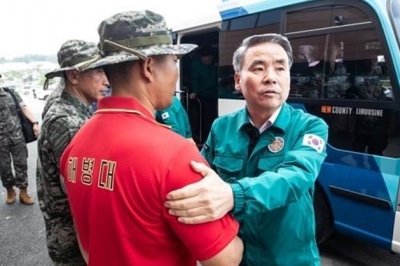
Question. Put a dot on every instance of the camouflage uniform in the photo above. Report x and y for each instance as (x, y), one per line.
(12, 142)
(63, 116)
(52, 97)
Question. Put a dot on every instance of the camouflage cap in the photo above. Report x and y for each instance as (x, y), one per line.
(75, 54)
(136, 35)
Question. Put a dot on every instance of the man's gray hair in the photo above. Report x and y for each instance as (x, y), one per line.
(240, 52)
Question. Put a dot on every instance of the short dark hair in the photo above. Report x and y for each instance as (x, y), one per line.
(279, 39)
(118, 73)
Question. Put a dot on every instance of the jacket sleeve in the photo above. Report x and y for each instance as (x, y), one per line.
(60, 136)
(294, 176)
(208, 148)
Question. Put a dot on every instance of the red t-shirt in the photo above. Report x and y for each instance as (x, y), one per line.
(117, 170)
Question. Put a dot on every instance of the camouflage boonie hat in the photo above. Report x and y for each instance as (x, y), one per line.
(136, 35)
(75, 54)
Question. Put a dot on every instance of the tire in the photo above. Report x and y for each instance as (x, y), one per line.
(323, 215)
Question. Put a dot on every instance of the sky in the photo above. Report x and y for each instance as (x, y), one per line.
(41, 26)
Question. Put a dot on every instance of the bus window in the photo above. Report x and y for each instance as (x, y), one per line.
(323, 17)
(347, 67)
(308, 57)
(336, 66)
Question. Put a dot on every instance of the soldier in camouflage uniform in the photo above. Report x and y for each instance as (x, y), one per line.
(65, 115)
(12, 144)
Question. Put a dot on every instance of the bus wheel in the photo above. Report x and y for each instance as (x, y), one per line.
(323, 215)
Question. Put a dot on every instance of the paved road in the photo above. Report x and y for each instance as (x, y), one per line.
(343, 251)
(22, 239)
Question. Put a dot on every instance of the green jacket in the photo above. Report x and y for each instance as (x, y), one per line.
(272, 186)
(204, 79)
(176, 117)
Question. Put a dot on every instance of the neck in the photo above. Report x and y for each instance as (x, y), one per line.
(134, 91)
(76, 92)
(259, 117)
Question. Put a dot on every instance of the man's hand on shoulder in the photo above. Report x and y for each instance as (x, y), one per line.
(207, 200)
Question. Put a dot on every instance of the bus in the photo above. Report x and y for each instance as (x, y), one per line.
(346, 71)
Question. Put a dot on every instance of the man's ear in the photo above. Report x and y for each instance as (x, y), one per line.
(73, 76)
(148, 66)
(237, 78)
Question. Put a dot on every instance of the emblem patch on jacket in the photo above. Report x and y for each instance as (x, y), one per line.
(276, 145)
(164, 115)
(314, 141)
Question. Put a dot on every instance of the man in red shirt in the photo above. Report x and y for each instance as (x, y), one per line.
(120, 166)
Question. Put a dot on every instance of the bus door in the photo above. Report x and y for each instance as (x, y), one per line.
(199, 82)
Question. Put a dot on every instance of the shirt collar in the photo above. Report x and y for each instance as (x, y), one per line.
(269, 122)
(279, 119)
(123, 103)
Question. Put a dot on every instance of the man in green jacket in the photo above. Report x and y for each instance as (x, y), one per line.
(268, 156)
(176, 117)
(204, 88)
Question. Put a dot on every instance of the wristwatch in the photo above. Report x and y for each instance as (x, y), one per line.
(36, 122)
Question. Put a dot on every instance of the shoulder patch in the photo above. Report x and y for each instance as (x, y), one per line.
(314, 141)
(164, 115)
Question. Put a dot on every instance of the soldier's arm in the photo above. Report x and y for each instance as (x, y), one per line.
(214, 243)
(28, 113)
(24, 107)
(60, 132)
(229, 256)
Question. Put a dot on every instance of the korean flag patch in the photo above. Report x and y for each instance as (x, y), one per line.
(314, 141)
(164, 115)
